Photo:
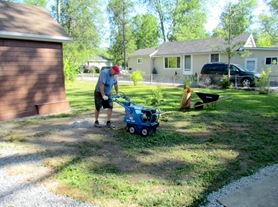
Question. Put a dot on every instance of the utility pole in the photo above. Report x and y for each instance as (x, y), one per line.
(59, 11)
(124, 37)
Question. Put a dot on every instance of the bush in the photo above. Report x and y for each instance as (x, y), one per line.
(187, 81)
(157, 97)
(136, 76)
(262, 82)
(97, 70)
(70, 74)
(154, 71)
(225, 82)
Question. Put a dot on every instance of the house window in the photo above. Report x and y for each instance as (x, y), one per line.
(214, 58)
(172, 62)
(139, 60)
(271, 61)
(187, 63)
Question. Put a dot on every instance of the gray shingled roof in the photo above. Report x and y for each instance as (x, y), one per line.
(20, 21)
(143, 52)
(198, 46)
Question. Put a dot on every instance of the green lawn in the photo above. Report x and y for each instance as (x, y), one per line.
(192, 154)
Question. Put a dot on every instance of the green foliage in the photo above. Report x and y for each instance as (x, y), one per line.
(263, 39)
(122, 40)
(137, 76)
(187, 21)
(156, 97)
(193, 151)
(236, 18)
(82, 20)
(70, 74)
(225, 82)
(269, 23)
(162, 10)
(263, 81)
(187, 81)
(41, 3)
(146, 31)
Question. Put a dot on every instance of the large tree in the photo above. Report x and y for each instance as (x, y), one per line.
(146, 31)
(82, 20)
(188, 20)
(269, 21)
(179, 19)
(162, 9)
(121, 38)
(236, 19)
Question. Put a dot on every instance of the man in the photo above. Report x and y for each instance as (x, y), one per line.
(106, 81)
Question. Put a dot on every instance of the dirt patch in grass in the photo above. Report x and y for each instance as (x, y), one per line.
(189, 153)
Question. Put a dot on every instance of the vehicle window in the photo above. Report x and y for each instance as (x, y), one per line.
(216, 68)
(240, 67)
(213, 68)
(234, 68)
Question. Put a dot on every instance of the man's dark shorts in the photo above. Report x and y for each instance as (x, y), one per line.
(99, 102)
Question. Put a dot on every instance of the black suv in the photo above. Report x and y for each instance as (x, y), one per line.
(212, 73)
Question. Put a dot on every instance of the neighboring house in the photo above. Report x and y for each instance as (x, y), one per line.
(31, 62)
(98, 61)
(188, 57)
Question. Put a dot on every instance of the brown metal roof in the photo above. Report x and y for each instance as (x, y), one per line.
(20, 21)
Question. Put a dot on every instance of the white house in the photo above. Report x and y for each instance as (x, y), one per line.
(188, 57)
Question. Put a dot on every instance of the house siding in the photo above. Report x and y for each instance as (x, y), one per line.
(31, 76)
(145, 66)
(261, 56)
(200, 52)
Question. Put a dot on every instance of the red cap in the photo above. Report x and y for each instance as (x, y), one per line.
(116, 69)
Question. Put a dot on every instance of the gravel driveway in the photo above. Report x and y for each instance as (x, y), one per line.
(21, 174)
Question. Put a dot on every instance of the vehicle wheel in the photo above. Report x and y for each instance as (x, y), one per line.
(144, 131)
(246, 82)
(127, 127)
(198, 105)
(208, 81)
(132, 129)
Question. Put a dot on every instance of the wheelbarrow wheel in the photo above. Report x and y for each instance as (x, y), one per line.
(199, 105)
(144, 131)
(132, 129)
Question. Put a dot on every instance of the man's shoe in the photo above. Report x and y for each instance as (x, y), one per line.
(110, 125)
(97, 124)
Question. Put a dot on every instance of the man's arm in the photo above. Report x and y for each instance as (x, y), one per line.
(101, 88)
(116, 88)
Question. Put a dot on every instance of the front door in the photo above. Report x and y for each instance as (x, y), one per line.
(187, 69)
(251, 64)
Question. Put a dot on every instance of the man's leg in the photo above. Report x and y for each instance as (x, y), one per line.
(98, 105)
(96, 115)
(109, 114)
(96, 119)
